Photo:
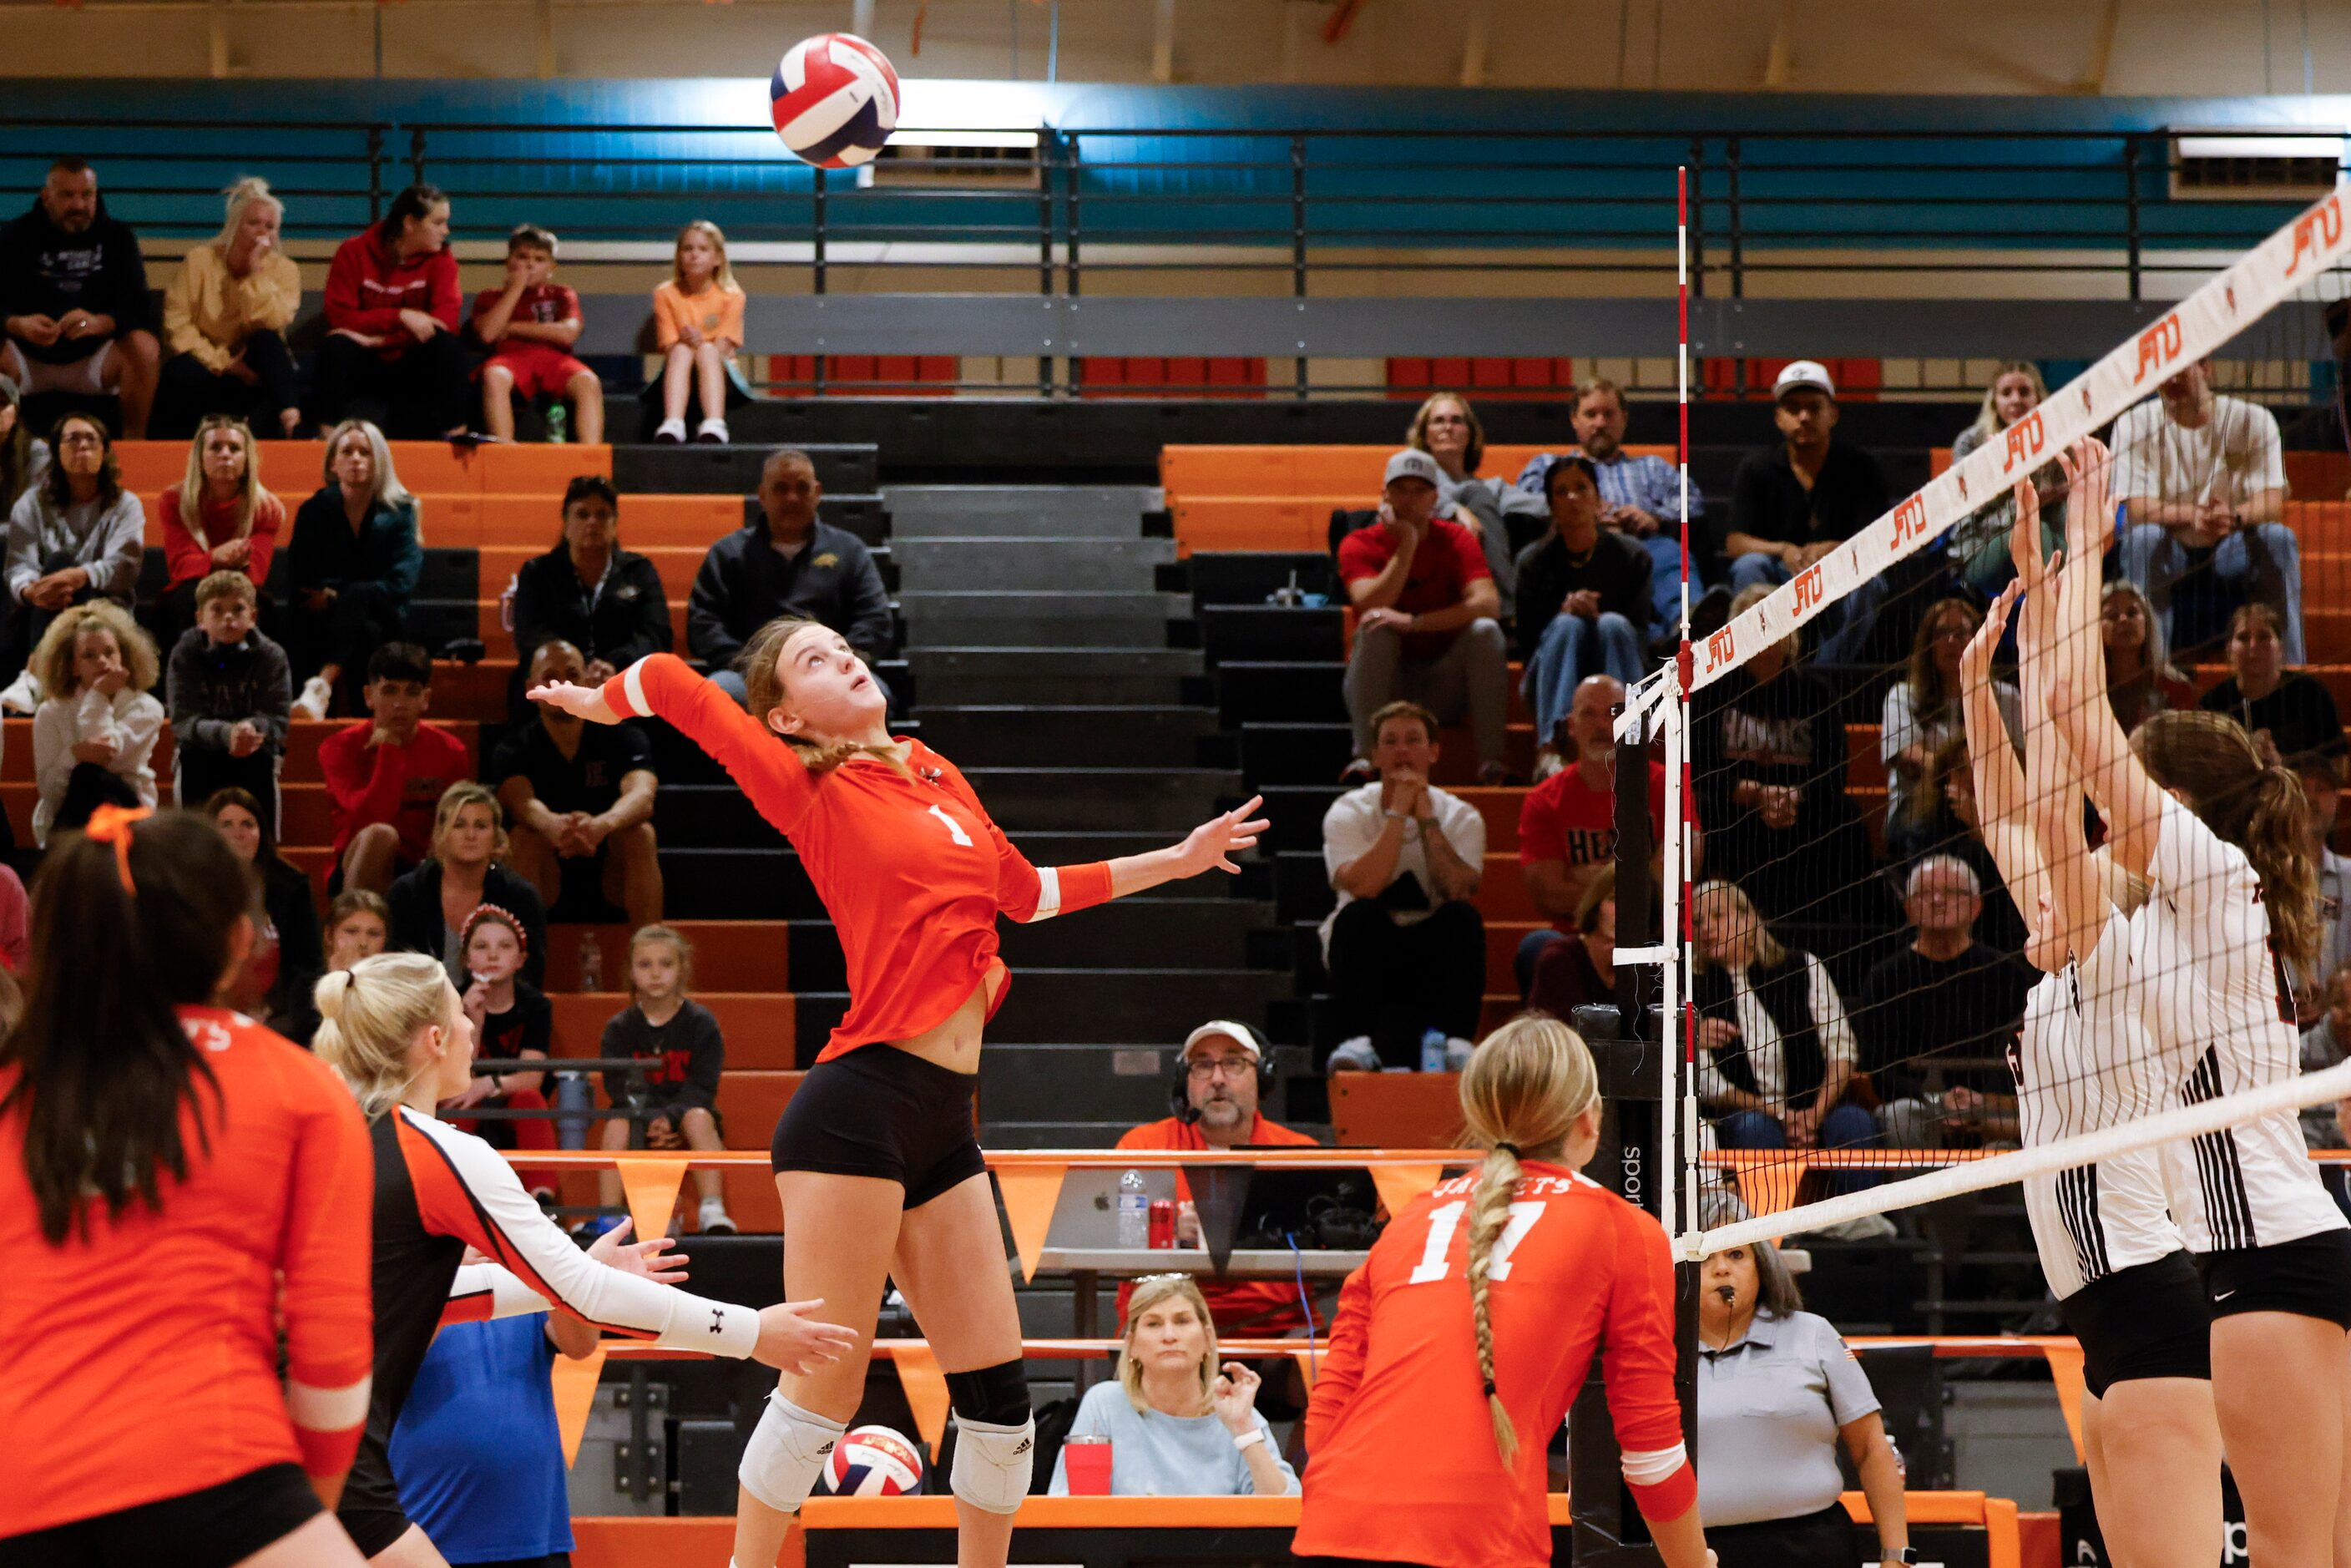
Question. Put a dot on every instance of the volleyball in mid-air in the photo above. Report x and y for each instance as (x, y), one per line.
(872, 1461)
(834, 99)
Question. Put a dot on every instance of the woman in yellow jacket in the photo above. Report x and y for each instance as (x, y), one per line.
(224, 315)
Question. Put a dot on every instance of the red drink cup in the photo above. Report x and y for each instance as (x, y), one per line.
(1163, 1222)
(1085, 1462)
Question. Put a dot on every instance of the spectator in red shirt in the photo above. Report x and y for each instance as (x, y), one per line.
(529, 327)
(1427, 623)
(392, 354)
(384, 777)
(1567, 824)
(1223, 1065)
(218, 518)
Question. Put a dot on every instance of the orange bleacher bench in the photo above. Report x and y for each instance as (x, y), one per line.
(295, 468)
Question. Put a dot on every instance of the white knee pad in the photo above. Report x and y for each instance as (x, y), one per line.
(787, 1449)
(993, 1465)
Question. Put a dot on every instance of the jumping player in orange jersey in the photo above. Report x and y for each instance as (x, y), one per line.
(176, 1182)
(875, 1160)
(395, 1028)
(1460, 1341)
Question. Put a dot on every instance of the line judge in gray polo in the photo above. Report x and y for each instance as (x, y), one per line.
(1777, 1391)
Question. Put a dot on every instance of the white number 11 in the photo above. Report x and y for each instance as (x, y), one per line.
(1435, 1262)
(953, 826)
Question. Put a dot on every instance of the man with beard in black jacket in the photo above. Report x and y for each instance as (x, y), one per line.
(73, 290)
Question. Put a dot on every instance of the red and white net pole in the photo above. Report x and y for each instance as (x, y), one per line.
(1676, 1106)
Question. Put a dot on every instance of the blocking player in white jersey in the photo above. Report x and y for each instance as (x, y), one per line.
(2114, 1258)
(2231, 916)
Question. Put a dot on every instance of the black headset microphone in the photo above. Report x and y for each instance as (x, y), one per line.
(1179, 1093)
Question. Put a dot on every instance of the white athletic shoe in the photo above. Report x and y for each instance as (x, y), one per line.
(313, 701)
(712, 1218)
(22, 694)
(670, 432)
(712, 431)
(1354, 1055)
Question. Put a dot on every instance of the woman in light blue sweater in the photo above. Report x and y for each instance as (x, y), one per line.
(1177, 1426)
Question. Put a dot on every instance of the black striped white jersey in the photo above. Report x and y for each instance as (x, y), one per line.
(2084, 1061)
(2220, 1006)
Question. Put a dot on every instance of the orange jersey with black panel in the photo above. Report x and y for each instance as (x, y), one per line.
(1405, 1466)
(142, 1359)
(910, 866)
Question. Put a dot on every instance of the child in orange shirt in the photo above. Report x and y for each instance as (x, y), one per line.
(698, 315)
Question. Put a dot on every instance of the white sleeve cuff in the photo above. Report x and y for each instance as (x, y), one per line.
(1049, 895)
(1647, 1470)
(327, 1409)
(632, 684)
(720, 1328)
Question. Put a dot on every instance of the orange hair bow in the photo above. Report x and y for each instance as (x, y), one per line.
(111, 824)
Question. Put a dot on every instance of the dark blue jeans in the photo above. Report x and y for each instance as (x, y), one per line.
(1848, 1127)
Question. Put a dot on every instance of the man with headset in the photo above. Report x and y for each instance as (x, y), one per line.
(1222, 1072)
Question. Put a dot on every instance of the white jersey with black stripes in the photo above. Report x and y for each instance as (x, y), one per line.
(2220, 1006)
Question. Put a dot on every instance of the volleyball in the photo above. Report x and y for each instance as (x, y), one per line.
(834, 100)
(872, 1461)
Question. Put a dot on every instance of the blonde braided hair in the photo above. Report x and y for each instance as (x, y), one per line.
(1524, 1089)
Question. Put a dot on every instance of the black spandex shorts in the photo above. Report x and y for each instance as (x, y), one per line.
(886, 1113)
(2310, 1278)
(209, 1528)
(2148, 1321)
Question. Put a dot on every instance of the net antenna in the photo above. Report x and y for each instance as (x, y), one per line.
(2290, 262)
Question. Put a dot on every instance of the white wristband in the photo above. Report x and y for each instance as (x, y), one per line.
(1248, 1440)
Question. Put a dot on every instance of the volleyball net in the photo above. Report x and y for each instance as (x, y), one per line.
(1852, 905)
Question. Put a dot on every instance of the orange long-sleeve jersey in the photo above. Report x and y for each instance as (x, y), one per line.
(1404, 1467)
(910, 865)
(142, 1359)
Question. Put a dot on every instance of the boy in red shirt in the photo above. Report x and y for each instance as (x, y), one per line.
(384, 777)
(1567, 824)
(529, 327)
(1427, 619)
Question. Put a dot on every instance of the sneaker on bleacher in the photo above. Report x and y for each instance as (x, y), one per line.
(671, 433)
(311, 705)
(713, 1219)
(22, 694)
(1354, 1055)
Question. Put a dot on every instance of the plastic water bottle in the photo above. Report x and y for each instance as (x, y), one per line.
(591, 963)
(1432, 1051)
(559, 420)
(1134, 1211)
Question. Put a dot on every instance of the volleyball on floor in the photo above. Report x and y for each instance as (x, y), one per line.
(834, 100)
(872, 1461)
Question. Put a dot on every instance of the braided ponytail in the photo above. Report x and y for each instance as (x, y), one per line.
(1524, 1089)
(1489, 1211)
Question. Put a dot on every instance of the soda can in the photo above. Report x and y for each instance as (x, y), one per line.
(1163, 1222)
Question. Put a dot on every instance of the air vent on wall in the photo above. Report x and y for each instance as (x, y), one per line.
(2241, 168)
(997, 160)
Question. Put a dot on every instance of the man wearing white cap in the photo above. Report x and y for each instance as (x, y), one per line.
(1215, 1097)
(1427, 620)
(1794, 502)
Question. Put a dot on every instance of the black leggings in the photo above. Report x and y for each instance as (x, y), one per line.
(1807, 1541)
(1393, 982)
(418, 396)
(189, 390)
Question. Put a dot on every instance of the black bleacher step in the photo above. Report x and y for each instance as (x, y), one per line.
(737, 883)
(1104, 676)
(845, 468)
(1116, 1007)
(1270, 631)
(1252, 576)
(1297, 812)
(1260, 690)
(1171, 933)
(1083, 736)
(1109, 799)
(437, 623)
(1294, 753)
(1120, 1084)
(980, 564)
(1086, 511)
(1045, 608)
(1303, 884)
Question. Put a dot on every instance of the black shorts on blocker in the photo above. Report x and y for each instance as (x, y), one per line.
(882, 1112)
(2148, 1321)
(209, 1528)
(2310, 1278)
